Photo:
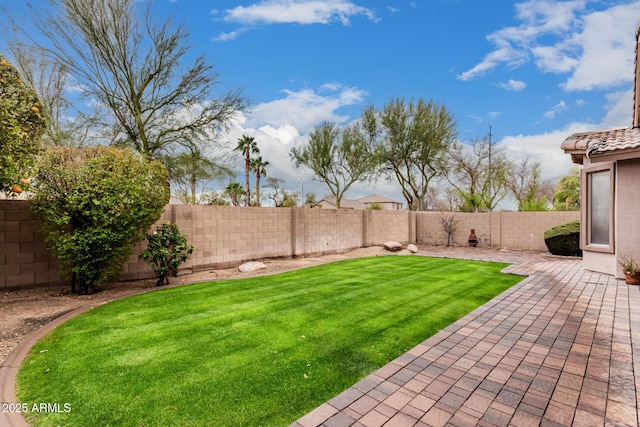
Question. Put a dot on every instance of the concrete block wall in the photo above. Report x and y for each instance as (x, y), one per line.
(24, 258)
(430, 231)
(382, 226)
(511, 230)
(223, 236)
(226, 236)
(332, 230)
(525, 230)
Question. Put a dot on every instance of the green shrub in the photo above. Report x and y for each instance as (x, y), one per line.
(94, 204)
(167, 249)
(564, 239)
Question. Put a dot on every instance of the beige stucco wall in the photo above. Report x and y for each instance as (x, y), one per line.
(600, 262)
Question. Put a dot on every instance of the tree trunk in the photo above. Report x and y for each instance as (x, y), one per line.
(247, 167)
(258, 187)
(193, 190)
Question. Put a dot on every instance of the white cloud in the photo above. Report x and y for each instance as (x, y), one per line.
(305, 12)
(505, 53)
(619, 110)
(224, 37)
(565, 37)
(297, 11)
(556, 109)
(544, 148)
(554, 59)
(607, 45)
(514, 85)
(491, 115)
(514, 44)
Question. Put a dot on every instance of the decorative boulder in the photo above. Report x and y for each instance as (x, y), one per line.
(412, 248)
(564, 239)
(392, 246)
(248, 267)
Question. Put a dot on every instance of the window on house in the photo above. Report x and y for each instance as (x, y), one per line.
(599, 204)
(599, 208)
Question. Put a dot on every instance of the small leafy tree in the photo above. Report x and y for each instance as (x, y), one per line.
(449, 226)
(478, 171)
(280, 197)
(168, 248)
(94, 204)
(311, 201)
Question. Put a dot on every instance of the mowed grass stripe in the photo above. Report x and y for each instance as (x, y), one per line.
(248, 352)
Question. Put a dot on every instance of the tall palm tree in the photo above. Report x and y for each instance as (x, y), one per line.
(233, 190)
(246, 145)
(259, 167)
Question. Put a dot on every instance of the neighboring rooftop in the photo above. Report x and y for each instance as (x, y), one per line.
(330, 202)
(377, 198)
(362, 203)
(602, 142)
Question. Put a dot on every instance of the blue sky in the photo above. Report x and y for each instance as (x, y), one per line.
(535, 71)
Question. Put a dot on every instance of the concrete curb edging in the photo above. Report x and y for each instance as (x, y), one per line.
(9, 369)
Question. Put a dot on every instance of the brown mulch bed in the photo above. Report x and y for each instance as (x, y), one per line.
(24, 311)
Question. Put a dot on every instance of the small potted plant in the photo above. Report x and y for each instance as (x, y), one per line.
(630, 268)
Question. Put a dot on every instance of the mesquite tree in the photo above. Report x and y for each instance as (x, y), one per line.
(338, 157)
(158, 101)
(409, 141)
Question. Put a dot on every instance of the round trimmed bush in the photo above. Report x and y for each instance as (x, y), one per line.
(564, 239)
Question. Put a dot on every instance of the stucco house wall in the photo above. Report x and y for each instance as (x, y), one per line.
(627, 209)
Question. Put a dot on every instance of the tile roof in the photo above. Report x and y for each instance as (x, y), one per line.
(600, 142)
(345, 203)
(596, 143)
(377, 198)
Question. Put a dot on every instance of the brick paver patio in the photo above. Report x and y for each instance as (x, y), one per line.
(558, 349)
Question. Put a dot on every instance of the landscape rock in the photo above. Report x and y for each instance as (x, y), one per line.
(392, 246)
(248, 267)
(412, 248)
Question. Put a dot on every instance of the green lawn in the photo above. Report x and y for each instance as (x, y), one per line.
(247, 352)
